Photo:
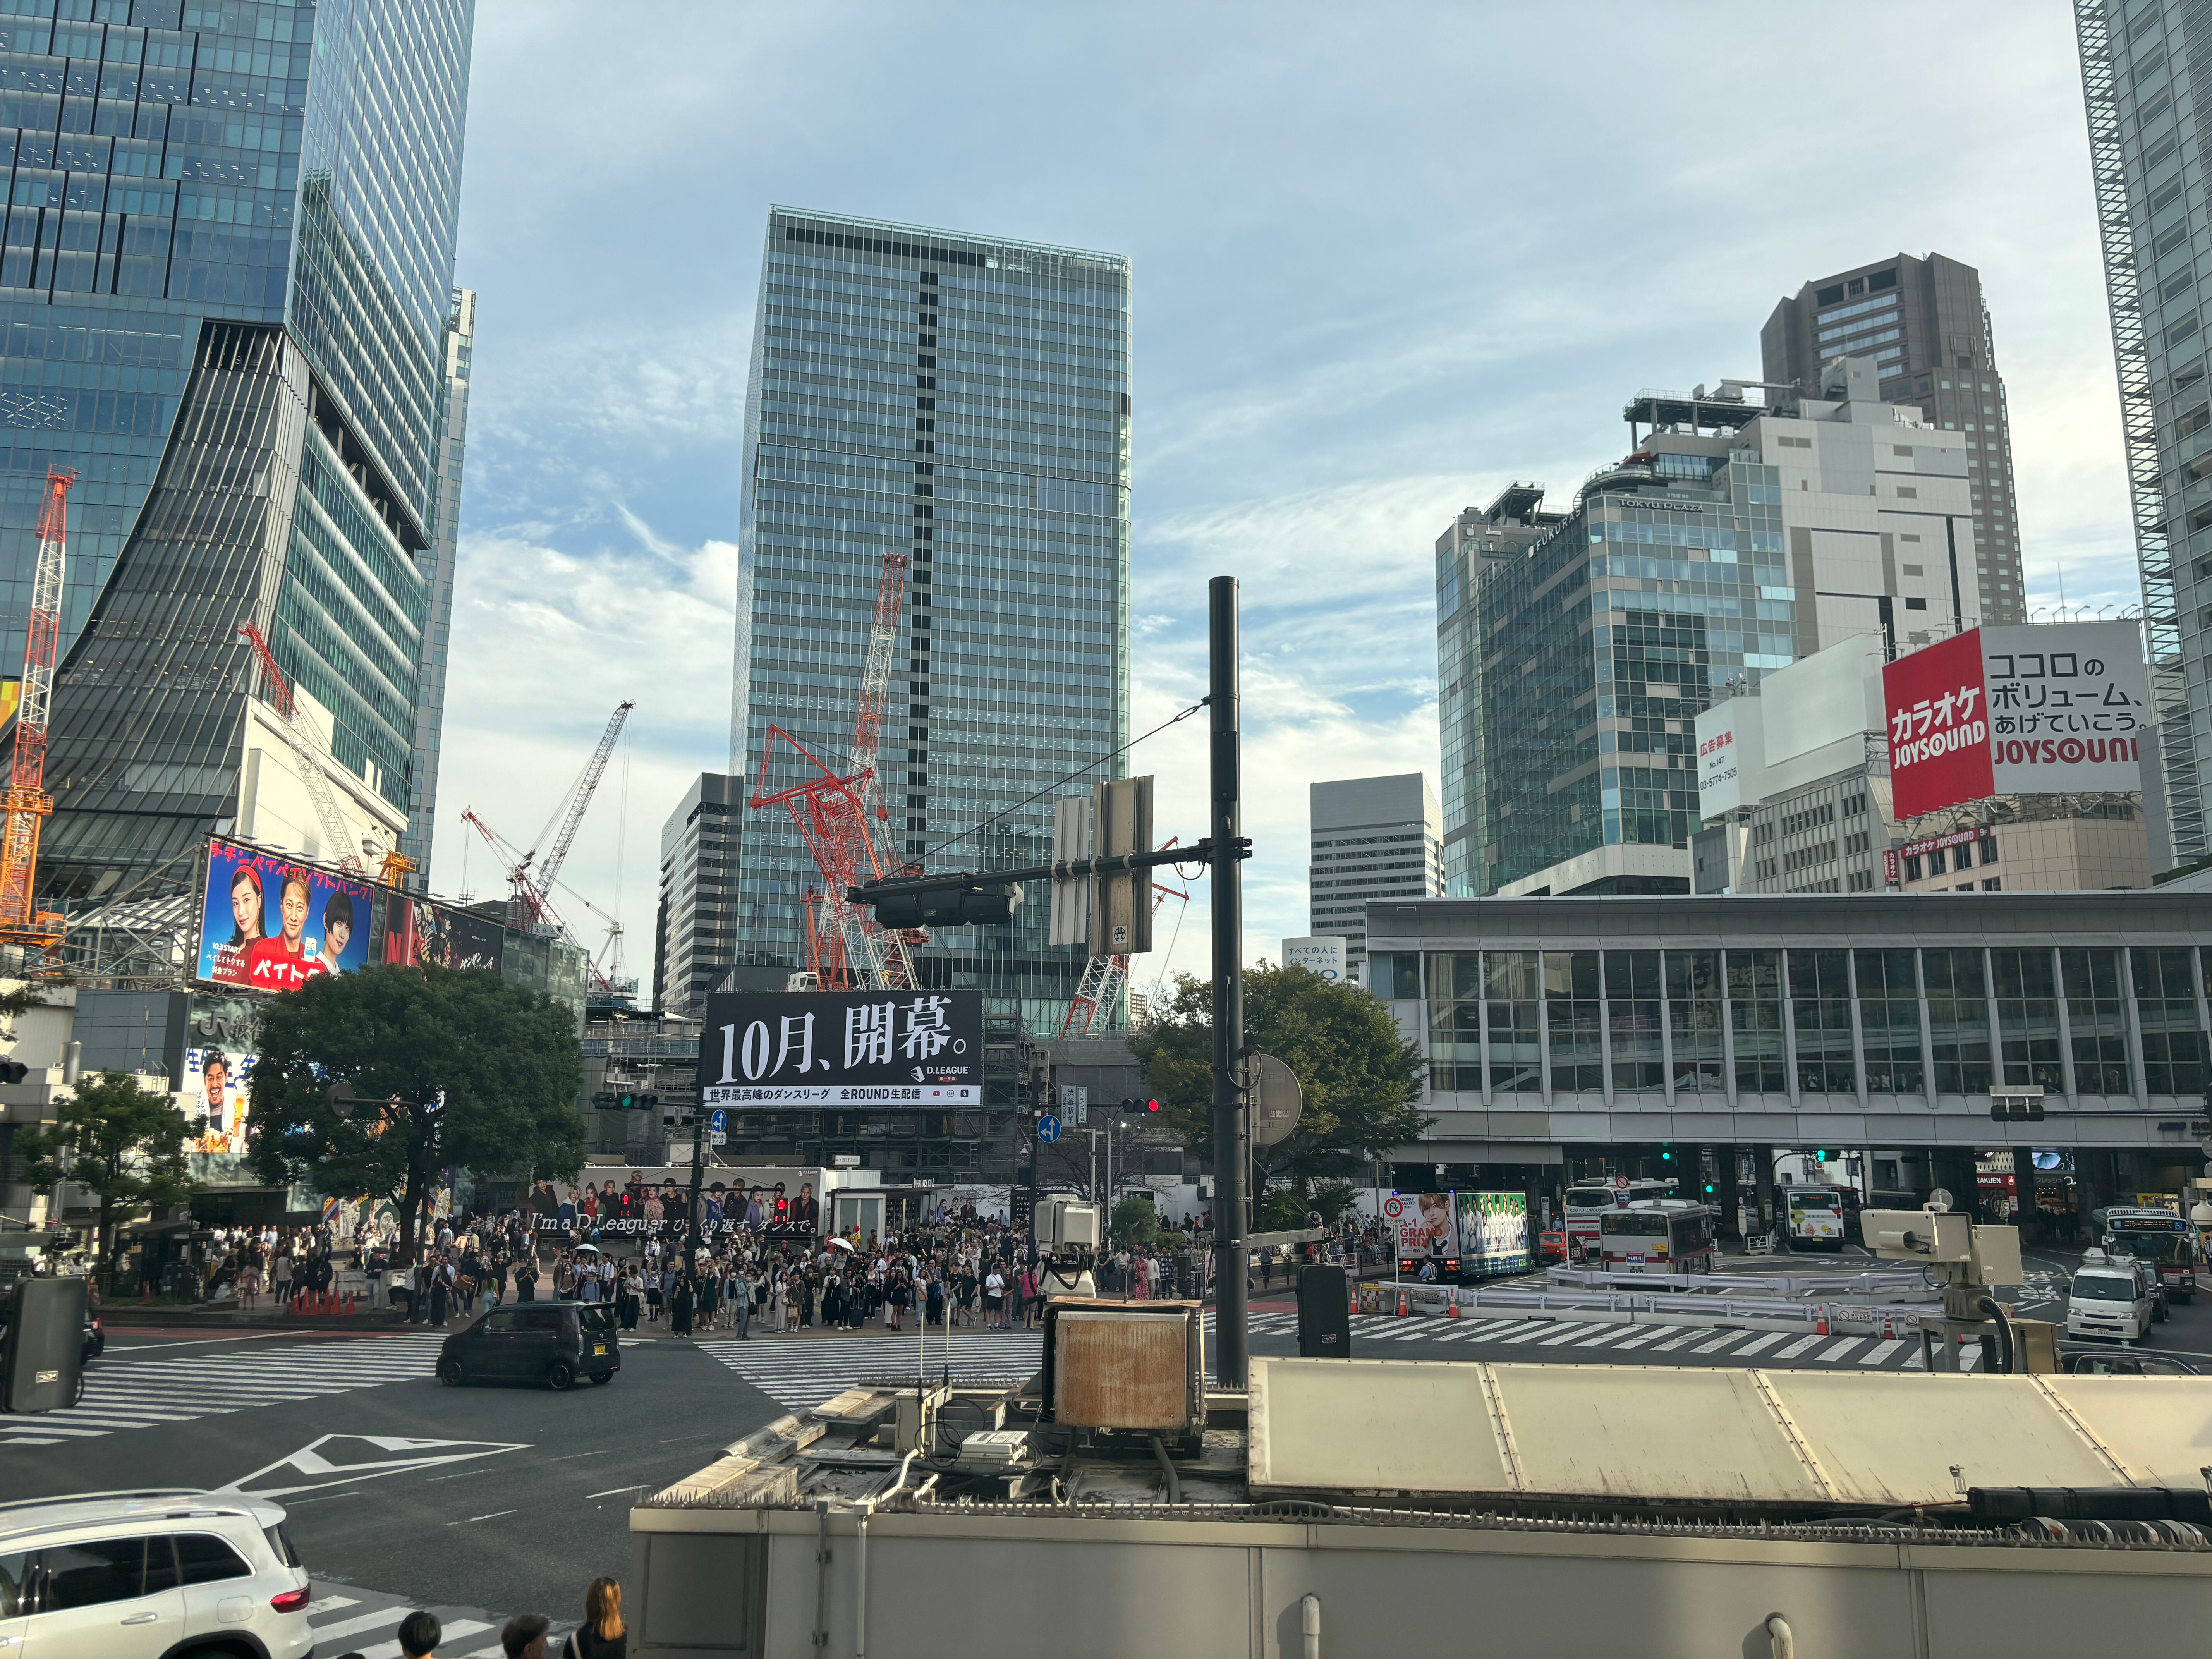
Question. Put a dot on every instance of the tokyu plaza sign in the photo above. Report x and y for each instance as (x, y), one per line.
(843, 1049)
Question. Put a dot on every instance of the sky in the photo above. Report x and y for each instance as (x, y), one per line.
(1387, 259)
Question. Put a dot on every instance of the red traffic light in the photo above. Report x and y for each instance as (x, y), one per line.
(1151, 1105)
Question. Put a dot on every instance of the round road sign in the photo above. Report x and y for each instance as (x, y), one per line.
(1048, 1129)
(1394, 1206)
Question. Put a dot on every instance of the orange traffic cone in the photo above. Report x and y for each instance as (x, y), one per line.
(1404, 1306)
(349, 1305)
(1820, 1319)
(1888, 1327)
(1354, 1294)
(1452, 1305)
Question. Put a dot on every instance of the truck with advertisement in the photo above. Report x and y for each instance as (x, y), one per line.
(1462, 1237)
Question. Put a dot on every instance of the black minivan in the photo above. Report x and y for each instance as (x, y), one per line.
(549, 1342)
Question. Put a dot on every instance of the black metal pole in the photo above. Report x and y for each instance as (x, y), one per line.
(1228, 1139)
(698, 1171)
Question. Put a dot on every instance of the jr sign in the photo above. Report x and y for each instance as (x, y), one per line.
(843, 1049)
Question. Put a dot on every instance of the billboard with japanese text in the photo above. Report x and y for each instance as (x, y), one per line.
(1938, 730)
(2070, 705)
(843, 1049)
(270, 923)
(2056, 710)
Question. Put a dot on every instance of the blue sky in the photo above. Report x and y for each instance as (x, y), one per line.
(1387, 259)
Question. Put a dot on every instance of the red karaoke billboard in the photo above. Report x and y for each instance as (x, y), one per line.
(1937, 704)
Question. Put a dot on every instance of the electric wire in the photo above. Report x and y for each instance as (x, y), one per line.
(977, 829)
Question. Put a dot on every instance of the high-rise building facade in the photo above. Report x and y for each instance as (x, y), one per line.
(1369, 838)
(1735, 537)
(1926, 328)
(695, 929)
(964, 400)
(226, 294)
(438, 568)
(2149, 134)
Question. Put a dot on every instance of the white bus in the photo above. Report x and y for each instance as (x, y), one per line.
(1587, 1203)
(1817, 1217)
(1658, 1236)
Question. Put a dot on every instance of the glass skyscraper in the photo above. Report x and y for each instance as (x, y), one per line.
(964, 400)
(2140, 60)
(226, 303)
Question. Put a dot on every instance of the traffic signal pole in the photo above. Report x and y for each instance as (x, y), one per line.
(1230, 1225)
(954, 898)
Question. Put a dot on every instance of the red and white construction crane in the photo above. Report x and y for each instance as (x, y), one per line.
(837, 813)
(306, 750)
(1091, 1010)
(26, 803)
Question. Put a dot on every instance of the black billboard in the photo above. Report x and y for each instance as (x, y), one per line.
(843, 1049)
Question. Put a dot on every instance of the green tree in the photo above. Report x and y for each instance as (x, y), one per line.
(1136, 1221)
(1361, 1080)
(451, 1068)
(113, 1139)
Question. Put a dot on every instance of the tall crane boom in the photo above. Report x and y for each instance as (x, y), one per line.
(304, 749)
(875, 682)
(26, 802)
(587, 787)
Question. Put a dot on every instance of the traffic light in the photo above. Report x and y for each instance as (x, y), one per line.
(1820, 1155)
(1666, 1154)
(13, 1071)
(960, 903)
(1710, 1189)
(1152, 1106)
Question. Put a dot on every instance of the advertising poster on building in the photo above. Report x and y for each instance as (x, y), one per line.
(270, 923)
(1493, 1232)
(2069, 703)
(1730, 757)
(1937, 714)
(460, 939)
(215, 1098)
(409, 931)
(1323, 955)
(843, 1049)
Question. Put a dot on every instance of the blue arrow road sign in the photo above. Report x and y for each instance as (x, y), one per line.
(1048, 1129)
(717, 1122)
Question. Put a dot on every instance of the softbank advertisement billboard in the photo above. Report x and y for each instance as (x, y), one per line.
(2016, 711)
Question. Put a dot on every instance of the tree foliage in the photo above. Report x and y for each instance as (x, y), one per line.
(1361, 1080)
(1136, 1220)
(472, 1072)
(114, 1139)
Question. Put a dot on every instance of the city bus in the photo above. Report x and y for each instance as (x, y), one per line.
(1587, 1203)
(2160, 1238)
(1658, 1236)
(1818, 1217)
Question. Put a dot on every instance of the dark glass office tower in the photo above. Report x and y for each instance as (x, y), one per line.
(226, 292)
(2141, 65)
(1925, 325)
(964, 400)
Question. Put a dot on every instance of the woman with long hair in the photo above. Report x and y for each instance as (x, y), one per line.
(246, 929)
(602, 1634)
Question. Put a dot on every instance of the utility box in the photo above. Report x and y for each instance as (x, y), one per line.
(2036, 1343)
(1138, 1365)
(1918, 1235)
(1061, 1224)
(1995, 1258)
(42, 1346)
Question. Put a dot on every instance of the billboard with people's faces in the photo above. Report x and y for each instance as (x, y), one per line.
(215, 1098)
(270, 923)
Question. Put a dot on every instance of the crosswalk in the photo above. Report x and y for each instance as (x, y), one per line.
(798, 1375)
(349, 1621)
(123, 1395)
(1569, 1339)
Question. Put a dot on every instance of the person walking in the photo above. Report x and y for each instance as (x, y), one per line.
(994, 1300)
(283, 1277)
(441, 1291)
(680, 1305)
(741, 1302)
(601, 1636)
(775, 1303)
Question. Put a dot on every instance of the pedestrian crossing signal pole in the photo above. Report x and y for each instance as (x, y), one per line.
(1230, 1150)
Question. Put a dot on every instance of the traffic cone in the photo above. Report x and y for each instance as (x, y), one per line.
(1820, 1319)
(1888, 1327)
(1452, 1305)
(349, 1305)
(1404, 1306)
(1353, 1292)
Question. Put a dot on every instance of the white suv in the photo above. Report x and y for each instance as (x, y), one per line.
(150, 1575)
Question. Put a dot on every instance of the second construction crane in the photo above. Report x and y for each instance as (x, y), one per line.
(837, 812)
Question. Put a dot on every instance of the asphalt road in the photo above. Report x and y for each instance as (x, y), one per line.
(512, 1499)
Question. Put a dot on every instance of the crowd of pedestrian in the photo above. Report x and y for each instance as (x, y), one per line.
(601, 1635)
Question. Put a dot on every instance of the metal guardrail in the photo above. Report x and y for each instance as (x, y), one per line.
(1856, 1318)
(1829, 1287)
